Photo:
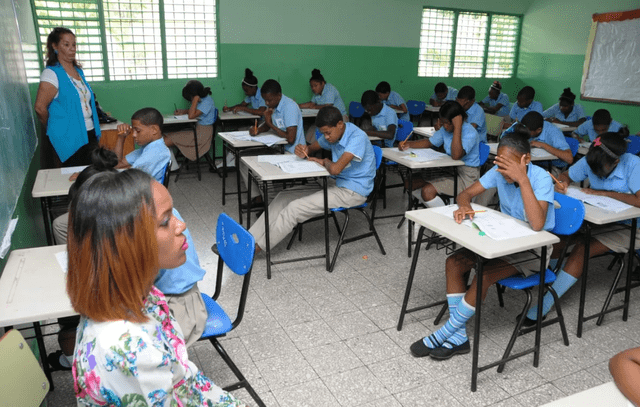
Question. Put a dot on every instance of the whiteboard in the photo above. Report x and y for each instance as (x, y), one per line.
(612, 65)
(17, 127)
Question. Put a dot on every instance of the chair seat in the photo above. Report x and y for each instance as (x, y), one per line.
(522, 283)
(218, 322)
(364, 205)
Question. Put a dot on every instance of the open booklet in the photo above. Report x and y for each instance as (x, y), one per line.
(492, 224)
(290, 163)
(603, 202)
(421, 154)
(266, 139)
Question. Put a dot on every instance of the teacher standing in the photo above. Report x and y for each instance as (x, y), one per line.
(65, 103)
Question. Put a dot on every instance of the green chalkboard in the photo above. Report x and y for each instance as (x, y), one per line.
(17, 128)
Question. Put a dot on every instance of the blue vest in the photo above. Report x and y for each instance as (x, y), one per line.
(65, 127)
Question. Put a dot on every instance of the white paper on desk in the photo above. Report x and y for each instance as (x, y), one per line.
(243, 113)
(585, 144)
(239, 135)
(300, 167)
(181, 116)
(428, 130)
(277, 159)
(421, 154)
(560, 125)
(63, 261)
(309, 111)
(267, 140)
(72, 170)
(603, 202)
(538, 152)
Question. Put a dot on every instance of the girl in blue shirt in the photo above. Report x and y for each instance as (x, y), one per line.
(566, 111)
(496, 102)
(324, 94)
(612, 173)
(253, 103)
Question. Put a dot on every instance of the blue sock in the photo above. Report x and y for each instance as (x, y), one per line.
(563, 282)
(456, 321)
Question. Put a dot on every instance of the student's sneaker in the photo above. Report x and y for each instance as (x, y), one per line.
(443, 353)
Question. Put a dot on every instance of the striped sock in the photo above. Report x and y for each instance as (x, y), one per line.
(457, 320)
(563, 282)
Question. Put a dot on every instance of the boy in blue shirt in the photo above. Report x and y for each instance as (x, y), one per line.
(496, 102)
(600, 123)
(525, 104)
(475, 115)
(153, 155)
(442, 93)
(526, 193)
(392, 99)
(352, 167)
(383, 118)
(548, 137)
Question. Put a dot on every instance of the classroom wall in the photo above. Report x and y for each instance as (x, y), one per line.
(553, 47)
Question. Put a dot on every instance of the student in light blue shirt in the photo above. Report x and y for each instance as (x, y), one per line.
(600, 123)
(548, 137)
(383, 118)
(153, 155)
(496, 102)
(392, 99)
(566, 111)
(525, 104)
(253, 103)
(324, 94)
(526, 193)
(475, 115)
(442, 93)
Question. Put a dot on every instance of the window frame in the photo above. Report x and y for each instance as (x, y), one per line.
(489, 14)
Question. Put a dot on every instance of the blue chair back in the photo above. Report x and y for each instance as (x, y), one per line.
(165, 177)
(416, 107)
(574, 145)
(235, 244)
(569, 216)
(634, 145)
(355, 109)
(378, 152)
(484, 152)
(405, 129)
(318, 134)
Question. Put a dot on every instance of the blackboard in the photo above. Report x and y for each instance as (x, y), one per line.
(17, 127)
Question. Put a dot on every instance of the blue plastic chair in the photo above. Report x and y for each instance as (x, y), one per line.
(236, 248)
(634, 145)
(416, 109)
(569, 217)
(574, 145)
(166, 177)
(403, 132)
(483, 149)
(356, 110)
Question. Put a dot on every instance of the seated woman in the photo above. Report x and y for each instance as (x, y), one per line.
(129, 349)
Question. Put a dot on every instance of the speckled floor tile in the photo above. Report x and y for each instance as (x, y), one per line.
(332, 358)
(311, 334)
(540, 395)
(427, 396)
(286, 370)
(355, 386)
(351, 325)
(374, 347)
(401, 373)
(267, 345)
(313, 393)
(576, 382)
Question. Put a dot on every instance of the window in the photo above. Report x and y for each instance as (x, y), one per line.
(135, 39)
(467, 44)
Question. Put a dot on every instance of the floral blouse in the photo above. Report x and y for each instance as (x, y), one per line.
(121, 363)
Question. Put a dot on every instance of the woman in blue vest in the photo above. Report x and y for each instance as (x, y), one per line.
(65, 103)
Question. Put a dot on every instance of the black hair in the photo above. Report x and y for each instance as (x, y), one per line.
(249, 79)
(451, 109)
(601, 116)
(54, 38)
(193, 88)
(101, 160)
(533, 121)
(528, 92)
(149, 116)
(598, 158)
(567, 97)
(440, 87)
(517, 140)
(316, 76)
(369, 98)
(271, 86)
(383, 87)
(328, 116)
(467, 93)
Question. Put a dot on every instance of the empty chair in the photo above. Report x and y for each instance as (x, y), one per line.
(416, 109)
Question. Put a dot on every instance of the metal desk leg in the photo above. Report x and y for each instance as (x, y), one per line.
(326, 224)
(237, 159)
(410, 224)
(476, 328)
(412, 271)
(455, 184)
(43, 353)
(543, 269)
(46, 216)
(583, 283)
(266, 230)
(224, 172)
(195, 138)
(627, 291)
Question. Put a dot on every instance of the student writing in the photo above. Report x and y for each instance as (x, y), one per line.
(525, 104)
(600, 123)
(496, 102)
(566, 111)
(442, 93)
(475, 115)
(392, 99)
(548, 137)
(383, 119)
(253, 103)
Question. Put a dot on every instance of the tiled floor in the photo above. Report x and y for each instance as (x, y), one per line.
(313, 338)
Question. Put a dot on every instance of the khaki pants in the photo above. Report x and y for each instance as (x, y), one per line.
(190, 312)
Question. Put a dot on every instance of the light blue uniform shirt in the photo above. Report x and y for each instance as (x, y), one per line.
(586, 129)
(452, 94)
(475, 115)
(385, 118)
(554, 111)
(152, 158)
(470, 140)
(256, 101)
(208, 109)
(288, 114)
(397, 100)
(358, 175)
(180, 279)
(553, 136)
(511, 198)
(503, 99)
(517, 113)
(330, 95)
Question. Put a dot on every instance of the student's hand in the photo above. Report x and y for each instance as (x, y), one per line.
(517, 171)
(538, 144)
(302, 151)
(462, 212)
(74, 176)
(195, 99)
(438, 124)
(316, 160)
(561, 187)
(594, 192)
(124, 130)
(404, 146)
(267, 116)
(456, 121)
(253, 131)
(238, 109)
(226, 109)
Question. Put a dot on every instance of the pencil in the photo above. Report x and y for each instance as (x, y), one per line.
(405, 140)
(305, 154)
(555, 179)
(474, 212)
(255, 126)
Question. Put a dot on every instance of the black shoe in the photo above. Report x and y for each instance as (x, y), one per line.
(419, 349)
(443, 353)
(54, 361)
(255, 202)
(528, 322)
(214, 249)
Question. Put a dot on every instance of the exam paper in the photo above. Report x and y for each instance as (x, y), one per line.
(493, 224)
(300, 167)
(63, 261)
(267, 140)
(277, 159)
(603, 202)
(238, 135)
(309, 111)
(71, 170)
(560, 125)
(181, 116)
(421, 154)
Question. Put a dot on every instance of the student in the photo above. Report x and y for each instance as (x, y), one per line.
(201, 108)
(496, 102)
(611, 172)
(475, 115)
(129, 347)
(460, 141)
(352, 167)
(600, 123)
(548, 137)
(153, 156)
(526, 193)
(253, 102)
(442, 93)
(525, 104)
(625, 369)
(324, 94)
(566, 111)
(392, 99)
(383, 118)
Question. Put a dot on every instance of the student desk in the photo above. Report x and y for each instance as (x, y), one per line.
(307, 113)
(229, 143)
(33, 289)
(48, 185)
(424, 131)
(485, 249)
(432, 111)
(543, 156)
(565, 128)
(604, 395)
(584, 147)
(402, 159)
(264, 172)
(172, 120)
(109, 138)
(597, 217)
